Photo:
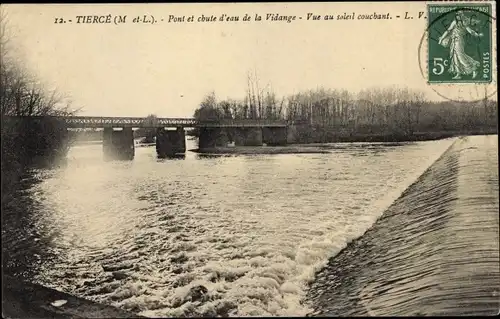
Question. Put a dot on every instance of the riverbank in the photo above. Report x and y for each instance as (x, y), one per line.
(27, 300)
(435, 251)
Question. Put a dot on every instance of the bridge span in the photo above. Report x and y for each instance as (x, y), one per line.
(118, 136)
(145, 122)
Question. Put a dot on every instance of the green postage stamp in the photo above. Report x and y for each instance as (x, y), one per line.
(459, 43)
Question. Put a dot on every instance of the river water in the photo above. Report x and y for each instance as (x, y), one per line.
(252, 230)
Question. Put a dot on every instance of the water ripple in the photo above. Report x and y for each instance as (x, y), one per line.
(239, 235)
(434, 252)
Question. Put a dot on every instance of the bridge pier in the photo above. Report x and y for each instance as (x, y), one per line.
(118, 144)
(170, 142)
(212, 137)
(274, 136)
(291, 134)
(248, 136)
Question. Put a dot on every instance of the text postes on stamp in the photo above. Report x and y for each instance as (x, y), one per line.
(459, 43)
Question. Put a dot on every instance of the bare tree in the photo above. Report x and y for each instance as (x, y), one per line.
(394, 112)
(21, 94)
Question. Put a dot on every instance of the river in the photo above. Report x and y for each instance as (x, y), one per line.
(252, 230)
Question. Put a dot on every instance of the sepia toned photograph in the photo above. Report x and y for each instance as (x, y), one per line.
(291, 159)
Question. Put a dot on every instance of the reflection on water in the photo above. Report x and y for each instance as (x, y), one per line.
(172, 157)
(238, 235)
(207, 156)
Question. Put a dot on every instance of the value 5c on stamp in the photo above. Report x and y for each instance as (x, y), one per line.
(459, 43)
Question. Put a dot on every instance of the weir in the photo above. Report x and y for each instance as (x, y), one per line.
(170, 142)
(434, 252)
(118, 144)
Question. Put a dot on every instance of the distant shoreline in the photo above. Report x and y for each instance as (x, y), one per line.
(254, 150)
(323, 148)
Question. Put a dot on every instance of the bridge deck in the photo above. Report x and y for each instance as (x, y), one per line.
(143, 122)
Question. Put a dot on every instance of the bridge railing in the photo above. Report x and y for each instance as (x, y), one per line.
(97, 121)
(86, 121)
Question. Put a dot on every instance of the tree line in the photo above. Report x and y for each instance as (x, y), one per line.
(393, 113)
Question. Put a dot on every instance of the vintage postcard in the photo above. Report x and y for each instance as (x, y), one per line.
(249, 159)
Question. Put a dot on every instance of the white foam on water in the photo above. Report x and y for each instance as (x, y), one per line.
(256, 250)
(273, 282)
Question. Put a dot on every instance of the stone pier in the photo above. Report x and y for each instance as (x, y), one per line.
(291, 134)
(170, 142)
(274, 136)
(118, 144)
(251, 136)
(212, 137)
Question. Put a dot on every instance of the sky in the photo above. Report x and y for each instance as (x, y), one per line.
(167, 68)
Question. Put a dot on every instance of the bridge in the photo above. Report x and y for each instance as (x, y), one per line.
(118, 136)
(144, 122)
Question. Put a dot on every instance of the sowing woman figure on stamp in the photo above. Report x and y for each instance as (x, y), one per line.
(454, 38)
